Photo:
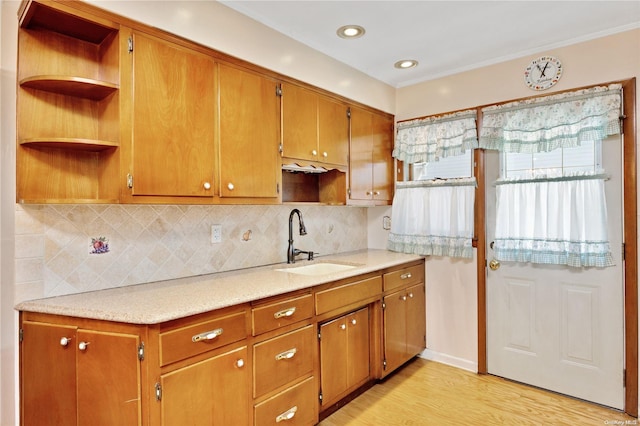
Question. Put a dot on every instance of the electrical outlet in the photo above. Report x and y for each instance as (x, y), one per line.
(216, 234)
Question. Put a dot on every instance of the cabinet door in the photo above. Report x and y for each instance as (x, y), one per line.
(173, 119)
(48, 374)
(249, 134)
(358, 347)
(213, 392)
(416, 320)
(395, 330)
(108, 377)
(333, 132)
(299, 123)
(381, 159)
(333, 356)
(360, 158)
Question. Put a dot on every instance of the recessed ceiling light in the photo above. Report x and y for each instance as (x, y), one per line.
(406, 63)
(350, 31)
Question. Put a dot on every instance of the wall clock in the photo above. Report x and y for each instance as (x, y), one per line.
(543, 73)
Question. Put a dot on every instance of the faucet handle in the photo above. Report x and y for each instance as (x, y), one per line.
(311, 254)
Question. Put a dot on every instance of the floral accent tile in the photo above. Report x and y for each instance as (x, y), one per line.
(99, 245)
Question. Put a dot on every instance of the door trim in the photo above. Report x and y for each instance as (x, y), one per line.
(630, 235)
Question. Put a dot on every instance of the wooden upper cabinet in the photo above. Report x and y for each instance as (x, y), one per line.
(249, 134)
(315, 127)
(173, 119)
(67, 107)
(371, 164)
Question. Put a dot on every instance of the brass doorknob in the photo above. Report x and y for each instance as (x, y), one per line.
(494, 264)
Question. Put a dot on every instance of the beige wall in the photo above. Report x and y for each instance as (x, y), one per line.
(451, 285)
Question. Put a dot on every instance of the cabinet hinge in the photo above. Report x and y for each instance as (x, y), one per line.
(21, 335)
(277, 188)
(320, 396)
(129, 180)
(158, 392)
(384, 364)
(384, 306)
(319, 335)
(141, 351)
(130, 44)
(349, 192)
(278, 90)
(280, 148)
(348, 112)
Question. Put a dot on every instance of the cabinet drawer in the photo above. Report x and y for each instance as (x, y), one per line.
(278, 314)
(296, 405)
(333, 298)
(195, 339)
(404, 277)
(282, 359)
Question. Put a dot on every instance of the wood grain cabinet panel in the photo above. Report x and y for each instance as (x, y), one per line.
(283, 359)
(346, 294)
(281, 313)
(294, 406)
(87, 376)
(249, 134)
(215, 391)
(174, 108)
(371, 165)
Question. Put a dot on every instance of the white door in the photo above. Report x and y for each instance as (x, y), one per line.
(557, 327)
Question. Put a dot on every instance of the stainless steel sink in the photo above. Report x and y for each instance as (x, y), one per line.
(321, 268)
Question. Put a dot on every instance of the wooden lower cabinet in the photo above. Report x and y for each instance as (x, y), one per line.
(283, 360)
(344, 355)
(295, 406)
(71, 375)
(211, 392)
(404, 326)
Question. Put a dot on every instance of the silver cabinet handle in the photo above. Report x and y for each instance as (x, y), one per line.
(207, 335)
(405, 276)
(240, 363)
(343, 326)
(65, 341)
(83, 346)
(286, 354)
(314, 152)
(354, 322)
(206, 185)
(287, 415)
(284, 313)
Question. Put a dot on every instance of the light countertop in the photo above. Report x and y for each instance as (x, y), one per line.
(156, 302)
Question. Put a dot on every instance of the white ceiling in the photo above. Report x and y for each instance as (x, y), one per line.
(445, 37)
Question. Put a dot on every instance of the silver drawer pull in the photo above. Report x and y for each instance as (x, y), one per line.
(287, 415)
(405, 276)
(285, 313)
(286, 354)
(207, 335)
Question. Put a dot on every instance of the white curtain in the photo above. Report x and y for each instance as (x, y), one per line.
(429, 139)
(544, 124)
(553, 221)
(433, 217)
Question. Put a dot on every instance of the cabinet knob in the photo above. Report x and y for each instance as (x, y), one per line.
(314, 152)
(230, 186)
(207, 185)
(368, 192)
(403, 297)
(286, 354)
(324, 154)
(240, 363)
(287, 415)
(343, 326)
(83, 346)
(376, 192)
(410, 295)
(65, 341)
(353, 321)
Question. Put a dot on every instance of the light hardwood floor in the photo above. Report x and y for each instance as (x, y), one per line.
(430, 393)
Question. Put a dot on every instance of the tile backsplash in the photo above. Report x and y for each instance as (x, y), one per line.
(55, 252)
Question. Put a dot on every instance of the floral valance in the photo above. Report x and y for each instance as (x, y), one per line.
(544, 124)
(429, 139)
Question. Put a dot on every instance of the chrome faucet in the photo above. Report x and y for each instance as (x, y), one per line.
(293, 252)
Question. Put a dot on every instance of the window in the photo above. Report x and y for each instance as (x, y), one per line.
(446, 168)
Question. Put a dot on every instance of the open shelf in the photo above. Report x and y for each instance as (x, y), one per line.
(70, 143)
(71, 86)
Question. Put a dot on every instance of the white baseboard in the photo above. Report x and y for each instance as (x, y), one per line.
(453, 361)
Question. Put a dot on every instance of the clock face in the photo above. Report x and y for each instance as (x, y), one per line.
(543, 73)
